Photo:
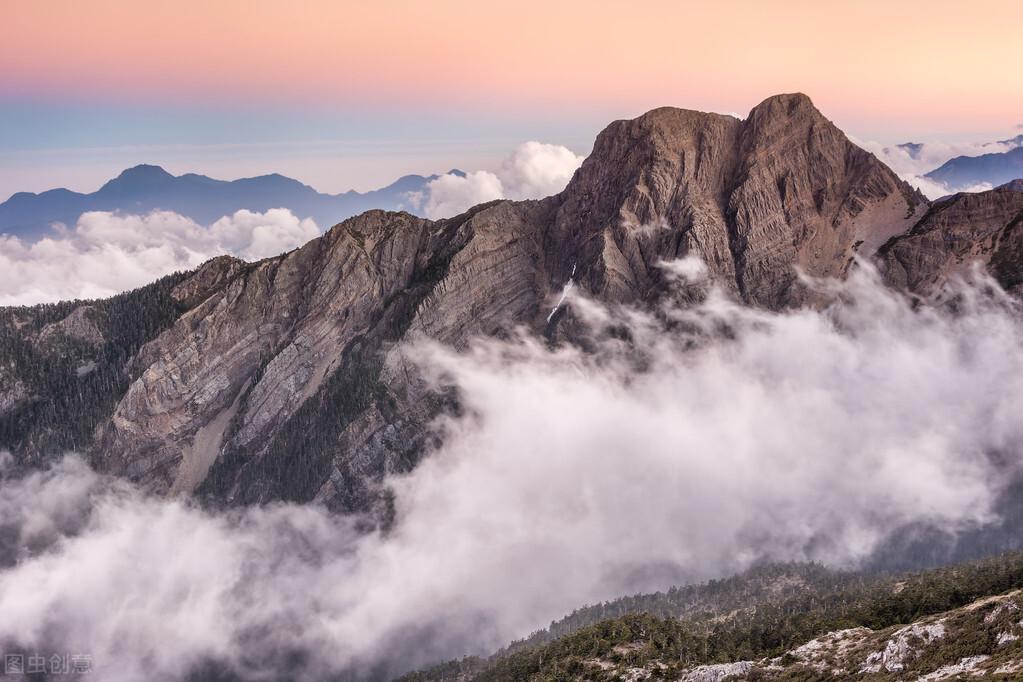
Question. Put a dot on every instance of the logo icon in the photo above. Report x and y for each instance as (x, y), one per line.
(81, 663)
(35, 664)
(14, 664)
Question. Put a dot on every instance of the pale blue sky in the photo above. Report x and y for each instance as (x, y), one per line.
(80, 145)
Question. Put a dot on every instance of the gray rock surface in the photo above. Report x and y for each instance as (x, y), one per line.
(12, 389)
(80, 325)
(955, 235)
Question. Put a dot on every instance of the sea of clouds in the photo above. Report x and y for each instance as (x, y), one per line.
(107, 252)
(717, 436)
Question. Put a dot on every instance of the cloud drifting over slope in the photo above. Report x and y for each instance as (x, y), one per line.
(106, 253)
(532, 171)
(719, 436)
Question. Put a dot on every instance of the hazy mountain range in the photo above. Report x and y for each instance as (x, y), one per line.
(987, 169)
(941, 168)
(144, 188)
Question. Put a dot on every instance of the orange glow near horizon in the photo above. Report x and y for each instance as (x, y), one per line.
(944, 65)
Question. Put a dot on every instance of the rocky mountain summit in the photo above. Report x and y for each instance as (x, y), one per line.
(282, 379)
(752, 198)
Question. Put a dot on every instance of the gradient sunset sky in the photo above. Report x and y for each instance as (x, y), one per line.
(353, 94)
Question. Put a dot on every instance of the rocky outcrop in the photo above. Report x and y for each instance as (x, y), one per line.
(902, 646)
(79, 325)
(12, 389)
(977, 641)
(273, 332)
(282, 379)
(755, 199)
(715, 672)
(954, 236)
(210, 277)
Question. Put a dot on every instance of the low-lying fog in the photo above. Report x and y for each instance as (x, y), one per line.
(717, 437)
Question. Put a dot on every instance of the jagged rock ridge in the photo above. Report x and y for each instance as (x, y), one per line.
(954, 236)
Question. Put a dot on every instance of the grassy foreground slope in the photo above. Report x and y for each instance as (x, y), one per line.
(790, 622)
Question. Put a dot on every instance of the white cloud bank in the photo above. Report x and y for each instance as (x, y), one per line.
(912, 163)
(106, 253)
(728, 436)
(533, 170)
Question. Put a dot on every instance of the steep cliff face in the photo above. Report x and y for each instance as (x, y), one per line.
(280, 379)
(808, 197)
(755, 199)
(237, 366)
(279, 371)
(956, 234)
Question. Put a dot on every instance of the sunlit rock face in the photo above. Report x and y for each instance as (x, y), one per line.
(754, 199)
(957, 234)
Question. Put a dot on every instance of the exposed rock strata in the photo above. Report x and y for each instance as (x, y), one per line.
(954, 236)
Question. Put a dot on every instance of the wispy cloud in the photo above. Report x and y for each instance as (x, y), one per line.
(532, 171)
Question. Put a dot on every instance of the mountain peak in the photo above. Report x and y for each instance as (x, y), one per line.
(790, 101)
(144, 171)
(142, 177)
(753, 197)
(787, 111)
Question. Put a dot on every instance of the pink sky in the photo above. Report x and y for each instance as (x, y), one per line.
(941, 65)
(350, 94)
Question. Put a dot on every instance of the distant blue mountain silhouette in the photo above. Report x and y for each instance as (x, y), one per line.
(994, 169)
(145, 188)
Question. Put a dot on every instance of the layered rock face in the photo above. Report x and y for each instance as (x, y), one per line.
(282, 379)
(955, 235)
(261, 342)
(755, 199)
